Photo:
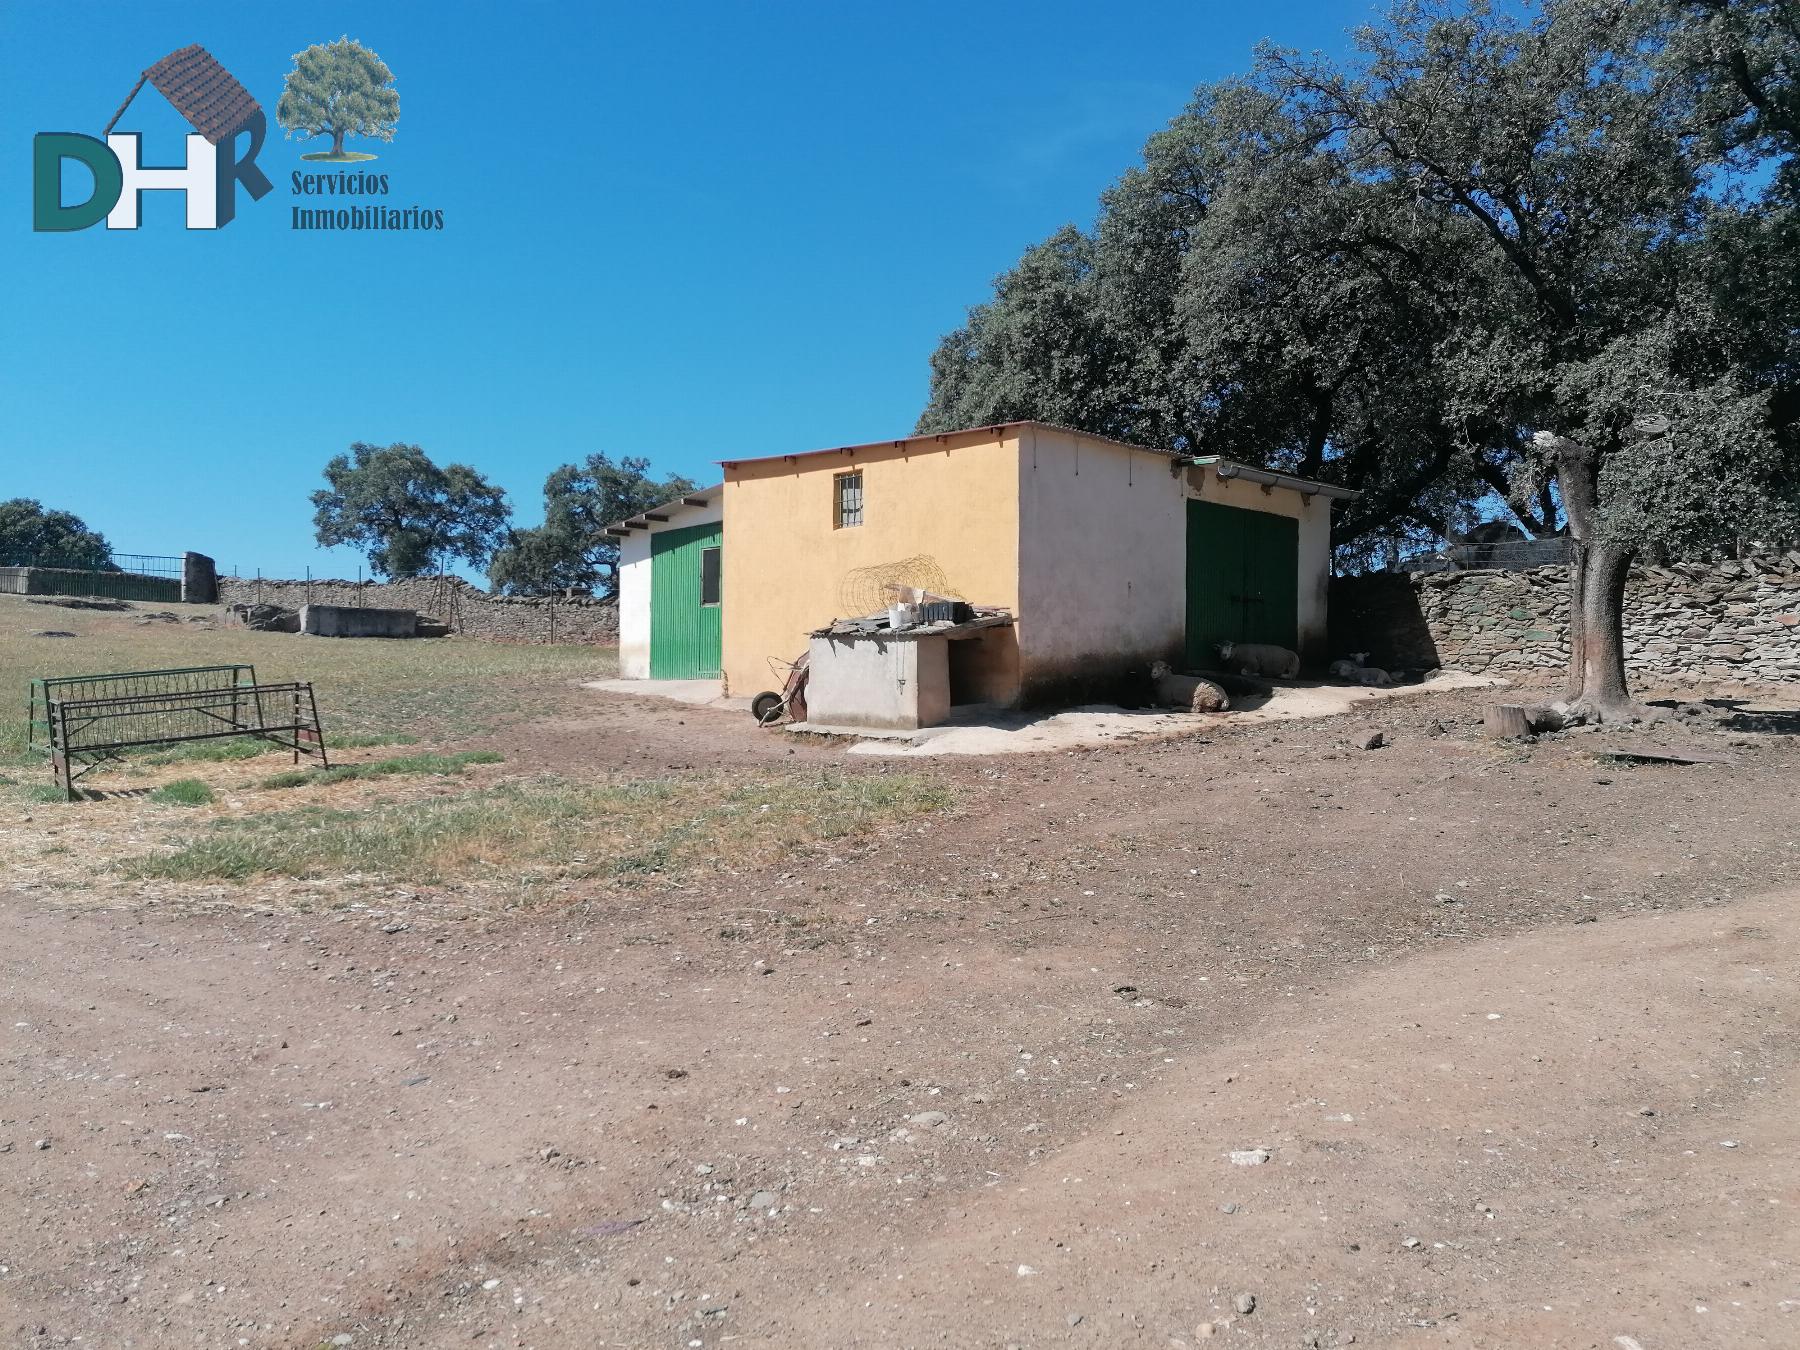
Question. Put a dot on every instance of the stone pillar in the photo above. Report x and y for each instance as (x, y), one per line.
(199, 580)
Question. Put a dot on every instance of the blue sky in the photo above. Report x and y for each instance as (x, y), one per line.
(687, 231)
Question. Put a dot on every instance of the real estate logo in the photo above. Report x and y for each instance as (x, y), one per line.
(217, 107)
(335, 90)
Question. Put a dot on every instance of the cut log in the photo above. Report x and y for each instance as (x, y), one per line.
(1506, 721)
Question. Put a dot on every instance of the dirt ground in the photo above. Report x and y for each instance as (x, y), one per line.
(1255, 1037)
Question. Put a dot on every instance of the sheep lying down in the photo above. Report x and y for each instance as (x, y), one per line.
(1356, 669)
(1259, 658)
(1190, 693)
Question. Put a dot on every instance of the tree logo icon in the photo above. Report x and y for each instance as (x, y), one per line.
(339, 89)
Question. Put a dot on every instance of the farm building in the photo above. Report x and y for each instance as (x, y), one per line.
(669, 602)
(1108, 555)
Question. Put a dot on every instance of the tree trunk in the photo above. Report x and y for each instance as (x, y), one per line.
(1577, 673)
(337, 141)
(1598, 570)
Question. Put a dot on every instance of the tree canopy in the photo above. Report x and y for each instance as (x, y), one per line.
(570, 552)
(339, 89)
(1538, 258)
(407, 514)
(31, 535)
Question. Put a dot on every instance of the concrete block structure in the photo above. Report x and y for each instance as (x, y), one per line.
(344, 621)
(1110, 555)
(885, 681)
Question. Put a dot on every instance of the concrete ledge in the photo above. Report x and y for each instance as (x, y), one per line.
(345, 621)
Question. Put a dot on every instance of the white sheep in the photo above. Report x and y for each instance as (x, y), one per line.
(1373, 675)
(1190, 693)
(1259, 658)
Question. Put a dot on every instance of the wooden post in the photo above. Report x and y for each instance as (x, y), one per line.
(1506, 721)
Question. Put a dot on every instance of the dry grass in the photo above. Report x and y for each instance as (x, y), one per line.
(436, 689)
(437, 765)
(404, 819)
(552, 830)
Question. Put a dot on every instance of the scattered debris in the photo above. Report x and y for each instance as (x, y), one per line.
(1663, 754)
(265, 618)
(73, 602)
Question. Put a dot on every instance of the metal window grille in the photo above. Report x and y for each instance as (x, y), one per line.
(849, 498)
(709, 576)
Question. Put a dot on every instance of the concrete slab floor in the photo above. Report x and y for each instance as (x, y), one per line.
(991, 732)
(700, 693)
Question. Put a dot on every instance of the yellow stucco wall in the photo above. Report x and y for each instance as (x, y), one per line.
(938, 512)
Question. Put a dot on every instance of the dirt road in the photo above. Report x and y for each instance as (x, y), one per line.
(1515, 1029)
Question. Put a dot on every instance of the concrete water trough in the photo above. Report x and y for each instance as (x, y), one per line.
(348, 621)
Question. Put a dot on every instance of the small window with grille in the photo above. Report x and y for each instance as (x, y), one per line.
(849, 498)
(709, 576)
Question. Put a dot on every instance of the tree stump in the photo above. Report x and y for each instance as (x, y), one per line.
(1506, 721)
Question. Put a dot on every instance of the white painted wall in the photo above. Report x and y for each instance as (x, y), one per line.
(634, 578)
(634, 606)
(1102, 557)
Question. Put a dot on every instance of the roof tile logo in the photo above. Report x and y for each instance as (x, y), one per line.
(215, 105)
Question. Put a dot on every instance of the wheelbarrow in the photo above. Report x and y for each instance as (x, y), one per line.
(769, 707)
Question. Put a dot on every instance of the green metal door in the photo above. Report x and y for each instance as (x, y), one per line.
(1243, 579)
(684, 602)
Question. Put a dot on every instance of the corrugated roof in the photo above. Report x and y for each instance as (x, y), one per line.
(1231, 467)
(698, 497)
(940, 436)
(203, 91)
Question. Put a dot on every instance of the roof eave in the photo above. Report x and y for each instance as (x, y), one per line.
(659, 514)
(1231, 468)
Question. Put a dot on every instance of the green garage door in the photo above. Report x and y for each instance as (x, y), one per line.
(1243, 579)
(685, 573)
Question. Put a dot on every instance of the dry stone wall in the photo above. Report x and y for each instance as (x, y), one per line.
(464, 608)
(1684, 623)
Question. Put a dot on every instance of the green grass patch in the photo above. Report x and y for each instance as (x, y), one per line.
(183, 792)
(46, 795)
(546, 830)
(364, 740)
(384, 768)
